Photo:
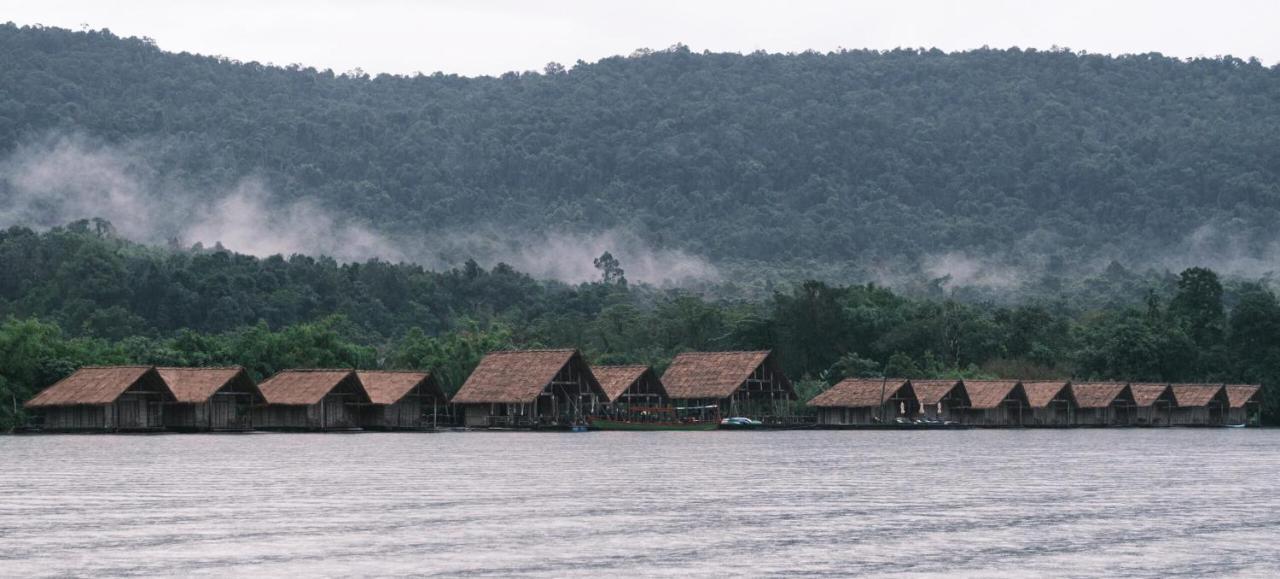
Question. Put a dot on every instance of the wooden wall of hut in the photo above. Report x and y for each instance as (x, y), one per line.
(1059, 412)
(1008, 413)
(134, 410)
(336, 411)
(228, 410)
(410, 413)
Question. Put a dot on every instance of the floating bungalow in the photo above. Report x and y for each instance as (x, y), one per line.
(996, 403)
(1103, 404)
(1244, 403)
(1199, 404)
(1051, 403)
(312, 400)
(1153, 404)
(103, 399)
(402, 400)
(739, 383)
(210, 399)
(866, 402)
(628, 387)
(940, 399)
(530, 388)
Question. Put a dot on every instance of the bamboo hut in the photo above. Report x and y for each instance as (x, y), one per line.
(312, 400)
(530, 388)
(739, 383)
(1199, 404)
(1051, 403)
(940, 399)
(103, 399)
(210, 399)
(403, 400)
(1244, 403)
(1103, 404)
(866, 402)
(630, 387)
(1153, 404)
(996, 403)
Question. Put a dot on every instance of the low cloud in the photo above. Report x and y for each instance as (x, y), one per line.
(60, 179)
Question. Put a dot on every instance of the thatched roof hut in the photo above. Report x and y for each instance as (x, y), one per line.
(1153, 403)
(865, 401)
(319, 399)
(198, 385)
(104, 398)
(1244, 403)
(210, 398)
(1051, 403)
(402, 400)
(940, 399)
(1103, 403)
(632, 385)
(1199, 404)
(392, 386)
(96, 385)
(996, 403)
(740, 383)
(530, 388)
(1238, 395)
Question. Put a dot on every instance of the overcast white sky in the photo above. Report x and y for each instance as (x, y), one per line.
(490, 37)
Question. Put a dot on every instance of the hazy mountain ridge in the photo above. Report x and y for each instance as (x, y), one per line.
(990, 166)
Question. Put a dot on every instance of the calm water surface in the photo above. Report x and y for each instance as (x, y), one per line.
(974, 503)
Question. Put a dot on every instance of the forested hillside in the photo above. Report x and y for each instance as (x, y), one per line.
(849, 160)
(78, 295)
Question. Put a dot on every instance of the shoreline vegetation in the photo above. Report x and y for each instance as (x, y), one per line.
(77, 295)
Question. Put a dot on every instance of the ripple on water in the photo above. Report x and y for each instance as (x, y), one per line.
(981, 503)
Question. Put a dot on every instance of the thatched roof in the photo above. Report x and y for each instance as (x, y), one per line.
(1099, 394)
(389, 387)
(930, 392)
(1147, 394)
(519, 376)
(615, 380)
(197, 385)
(862, 393)
(1190, 395)
(716, 375)
(97, 385)
(1040, 394)
(1240, 394)
(987, 394)
(307, 387)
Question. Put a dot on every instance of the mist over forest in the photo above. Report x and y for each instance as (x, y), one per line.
(989, 213)
(990, 169)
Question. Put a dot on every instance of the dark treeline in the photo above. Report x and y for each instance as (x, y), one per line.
(821, 160)
(78, 295)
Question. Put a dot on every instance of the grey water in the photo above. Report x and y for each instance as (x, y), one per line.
(1114, 503)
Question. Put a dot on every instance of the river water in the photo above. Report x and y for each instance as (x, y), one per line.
(1139, 503)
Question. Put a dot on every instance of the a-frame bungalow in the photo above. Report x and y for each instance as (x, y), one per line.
(866, 402)
(1153, 404)
(312, 400)
(402, 400)
(1103, 404)
(631, 387)
(1051, 403)
(940, 399)
(530, 388)
(1244, 404)
(996, 403)
(749, 384)
(210, 399)
(1199, 404)
(103, 399)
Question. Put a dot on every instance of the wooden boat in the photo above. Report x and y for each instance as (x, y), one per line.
(610, 424)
